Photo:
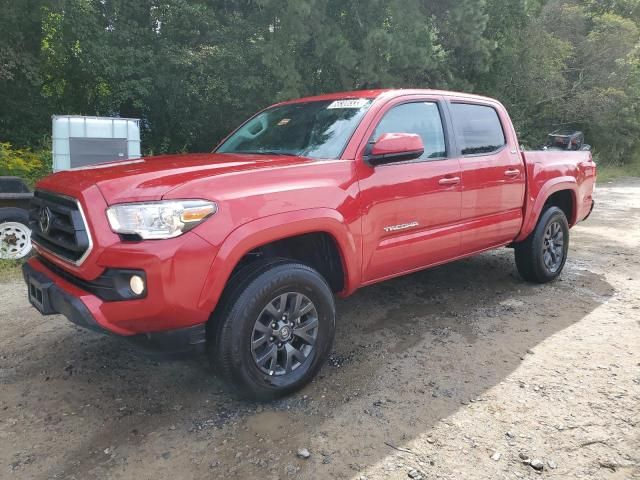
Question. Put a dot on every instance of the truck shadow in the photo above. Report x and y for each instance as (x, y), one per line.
(408, 353)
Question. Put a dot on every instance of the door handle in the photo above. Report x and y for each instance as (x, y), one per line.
(449, 181)
(512, 173)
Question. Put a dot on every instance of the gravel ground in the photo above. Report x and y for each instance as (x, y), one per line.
(460, 372)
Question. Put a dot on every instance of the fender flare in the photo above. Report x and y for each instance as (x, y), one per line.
(262, 231)
(536, 204)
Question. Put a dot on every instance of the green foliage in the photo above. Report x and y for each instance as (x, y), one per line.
(24, 112)
(608, 173)
(24, 162)
(10, 270)
(193, 69)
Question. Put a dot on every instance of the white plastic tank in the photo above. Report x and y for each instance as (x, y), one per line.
(79, 141)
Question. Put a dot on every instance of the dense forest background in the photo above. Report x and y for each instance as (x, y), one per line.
(194, 69)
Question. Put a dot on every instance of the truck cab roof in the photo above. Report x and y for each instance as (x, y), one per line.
(387, 93)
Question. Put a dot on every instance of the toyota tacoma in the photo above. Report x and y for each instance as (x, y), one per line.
(240, 252)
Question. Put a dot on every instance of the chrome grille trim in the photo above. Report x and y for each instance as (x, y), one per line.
(80, 261)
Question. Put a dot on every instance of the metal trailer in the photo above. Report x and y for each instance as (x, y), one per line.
(15, 234)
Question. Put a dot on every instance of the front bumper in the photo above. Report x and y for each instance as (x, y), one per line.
(50, 296)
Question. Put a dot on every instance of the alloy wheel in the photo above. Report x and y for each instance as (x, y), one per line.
(284, 334)
(553, 247)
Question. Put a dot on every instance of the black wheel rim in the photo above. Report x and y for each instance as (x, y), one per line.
(553, 247)
(284, 334)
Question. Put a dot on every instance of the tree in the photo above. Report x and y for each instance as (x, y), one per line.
(193, 69)
(24, 114)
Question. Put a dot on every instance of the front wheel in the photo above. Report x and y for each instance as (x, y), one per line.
(273, 329)
(542, 256)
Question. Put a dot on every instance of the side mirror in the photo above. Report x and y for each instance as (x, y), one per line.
(586, 148)
(394, 147)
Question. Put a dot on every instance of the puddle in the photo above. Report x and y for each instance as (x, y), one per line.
(271, 425)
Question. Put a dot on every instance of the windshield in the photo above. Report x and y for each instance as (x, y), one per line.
(314, 129)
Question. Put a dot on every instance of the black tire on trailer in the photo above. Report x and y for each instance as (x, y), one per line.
(273, 328)
(15, 234)
(542, 256)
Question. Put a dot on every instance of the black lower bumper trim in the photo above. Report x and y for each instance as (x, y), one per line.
(111, 286)
(172, 341)
(53, 300)
(593, 205)
(49, 299)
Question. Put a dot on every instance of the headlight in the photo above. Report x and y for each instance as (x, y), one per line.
(158, 220)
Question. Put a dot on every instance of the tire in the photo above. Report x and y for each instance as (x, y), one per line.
(15, 234)
(242, 333)
(542, 256)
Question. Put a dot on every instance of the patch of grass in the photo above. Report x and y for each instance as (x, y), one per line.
(607, 173)
(10, 270)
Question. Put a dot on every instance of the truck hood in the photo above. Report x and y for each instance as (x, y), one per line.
(150, 178)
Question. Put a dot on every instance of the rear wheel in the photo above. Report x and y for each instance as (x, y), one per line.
(273, 329)
(15, 235)
(542, 256)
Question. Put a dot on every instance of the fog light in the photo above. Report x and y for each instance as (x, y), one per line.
(137, 284)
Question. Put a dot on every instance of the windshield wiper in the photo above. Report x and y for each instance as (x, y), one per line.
(267, 152)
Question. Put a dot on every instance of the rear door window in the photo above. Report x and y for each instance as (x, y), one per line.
(478, 128)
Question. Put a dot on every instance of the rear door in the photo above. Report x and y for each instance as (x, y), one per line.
(492, 172)
(411, 210)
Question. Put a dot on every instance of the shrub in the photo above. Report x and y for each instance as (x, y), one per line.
(24, 162)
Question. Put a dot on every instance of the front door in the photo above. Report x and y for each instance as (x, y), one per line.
(411, 210)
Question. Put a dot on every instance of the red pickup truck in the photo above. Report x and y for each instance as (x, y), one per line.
(242, 250)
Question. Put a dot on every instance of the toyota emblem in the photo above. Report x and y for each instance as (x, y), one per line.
(45, 219)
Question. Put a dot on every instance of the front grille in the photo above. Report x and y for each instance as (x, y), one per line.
(58, 226)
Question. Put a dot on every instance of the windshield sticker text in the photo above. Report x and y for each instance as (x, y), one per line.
(354, 103)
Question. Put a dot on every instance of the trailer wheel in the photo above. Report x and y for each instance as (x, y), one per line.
(15, 234)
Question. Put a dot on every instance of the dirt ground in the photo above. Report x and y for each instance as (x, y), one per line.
(461, 372)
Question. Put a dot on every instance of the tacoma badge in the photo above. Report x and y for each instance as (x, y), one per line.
(404, 226)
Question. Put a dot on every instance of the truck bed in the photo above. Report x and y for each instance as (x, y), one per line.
(548, 171)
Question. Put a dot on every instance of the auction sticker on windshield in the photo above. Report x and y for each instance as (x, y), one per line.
(353, 103)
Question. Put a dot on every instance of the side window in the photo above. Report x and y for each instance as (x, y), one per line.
(478, 128)
(421, 118)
